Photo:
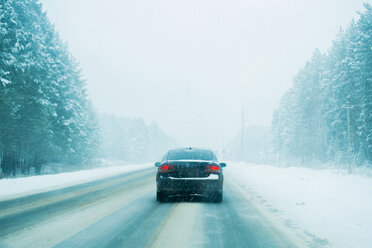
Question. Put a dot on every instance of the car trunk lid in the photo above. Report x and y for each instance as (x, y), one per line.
(190, 169)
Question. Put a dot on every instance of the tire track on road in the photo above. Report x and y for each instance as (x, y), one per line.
(259, 223)
(130, 226)
(107, 197)
(14, 206)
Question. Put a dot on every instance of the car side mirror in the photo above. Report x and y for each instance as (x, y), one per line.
(157, 164)
(223, 164)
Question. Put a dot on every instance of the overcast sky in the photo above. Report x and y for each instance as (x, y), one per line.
(190, 65)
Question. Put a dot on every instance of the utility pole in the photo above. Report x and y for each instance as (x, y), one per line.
(242, 144)
(348, 137)
(265, 149)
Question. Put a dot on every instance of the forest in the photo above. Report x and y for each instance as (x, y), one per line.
(326, 117)
(46, 116)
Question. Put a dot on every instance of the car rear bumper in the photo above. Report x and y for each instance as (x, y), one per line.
(179, 186)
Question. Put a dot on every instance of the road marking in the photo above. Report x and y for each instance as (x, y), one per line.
(57, 229)
(183, 227)
(57, 198)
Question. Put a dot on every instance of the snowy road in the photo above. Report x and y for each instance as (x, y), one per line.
(121, 211)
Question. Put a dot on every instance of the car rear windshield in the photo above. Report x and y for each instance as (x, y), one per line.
(190, 155)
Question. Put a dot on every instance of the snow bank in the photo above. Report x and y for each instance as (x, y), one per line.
(328, 208)
(12, 188)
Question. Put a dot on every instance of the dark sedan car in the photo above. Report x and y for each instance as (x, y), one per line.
(189, 171)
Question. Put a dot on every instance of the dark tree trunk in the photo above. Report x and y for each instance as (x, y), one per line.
(9, 164)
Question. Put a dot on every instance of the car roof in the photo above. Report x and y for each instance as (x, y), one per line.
(190, 148)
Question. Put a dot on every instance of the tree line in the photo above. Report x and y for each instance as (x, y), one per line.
(327, 114)
(251, 144)
(45, 115)
(131, 140)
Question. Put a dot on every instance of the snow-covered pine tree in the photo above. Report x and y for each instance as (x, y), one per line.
(45, 115)
(327, 114)
(363, 55)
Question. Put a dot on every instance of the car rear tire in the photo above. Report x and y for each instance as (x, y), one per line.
(217, 197)
(160, 196)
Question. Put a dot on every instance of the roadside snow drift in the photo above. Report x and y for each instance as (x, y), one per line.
(325, 207)
(12, 188)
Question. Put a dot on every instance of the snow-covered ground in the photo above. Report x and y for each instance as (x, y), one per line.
(326, 207)
(12, 188)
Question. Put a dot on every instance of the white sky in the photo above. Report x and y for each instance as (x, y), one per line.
(191, 65)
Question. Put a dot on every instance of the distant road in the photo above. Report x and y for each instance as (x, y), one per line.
(121, 211)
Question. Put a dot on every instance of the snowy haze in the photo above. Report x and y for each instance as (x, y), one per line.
(191, 65)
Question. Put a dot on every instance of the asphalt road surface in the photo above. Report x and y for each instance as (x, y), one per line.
(122, 211)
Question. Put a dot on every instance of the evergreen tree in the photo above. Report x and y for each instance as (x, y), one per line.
(363, 46)
(45, 115)
(131, 140)
(327, 114)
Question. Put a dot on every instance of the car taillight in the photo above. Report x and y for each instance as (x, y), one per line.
(166, 168)
(210, 168)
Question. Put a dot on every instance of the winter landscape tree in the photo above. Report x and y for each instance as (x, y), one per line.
(327, 114)
(45, 115)
(131, 140)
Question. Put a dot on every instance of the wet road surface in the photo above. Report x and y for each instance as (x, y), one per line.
(122, 211)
